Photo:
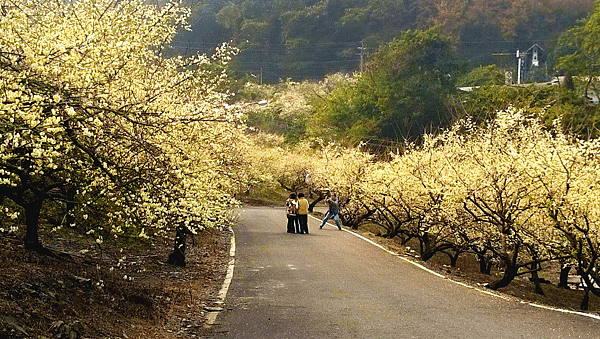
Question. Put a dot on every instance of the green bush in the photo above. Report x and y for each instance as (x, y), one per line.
(401, 94)
(484, 76)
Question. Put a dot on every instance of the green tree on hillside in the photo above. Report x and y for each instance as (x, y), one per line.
(401, 94)
(578, 51)
(484, 76)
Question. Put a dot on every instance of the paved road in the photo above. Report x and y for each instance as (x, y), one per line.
(331, 284)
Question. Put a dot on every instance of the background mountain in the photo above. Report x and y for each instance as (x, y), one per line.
(306, 39)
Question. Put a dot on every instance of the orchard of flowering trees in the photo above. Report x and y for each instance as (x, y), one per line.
(514, 184)
(104, 134)
(513, 193)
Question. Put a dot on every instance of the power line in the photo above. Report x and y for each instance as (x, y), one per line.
(487, 42)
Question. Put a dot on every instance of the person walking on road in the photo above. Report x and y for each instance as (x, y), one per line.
(291, 210)
(333, 212)
(303, 213)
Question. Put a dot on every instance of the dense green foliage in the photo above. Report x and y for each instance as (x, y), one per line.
(484, 76)
(558, 106)
(578, 51)
(402, 93)
(306, 39)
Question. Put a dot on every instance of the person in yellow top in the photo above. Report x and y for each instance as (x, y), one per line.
(303, 213)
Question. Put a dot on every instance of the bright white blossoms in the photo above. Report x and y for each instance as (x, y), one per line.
(89, 102)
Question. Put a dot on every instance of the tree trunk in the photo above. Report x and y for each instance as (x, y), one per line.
(312, 205)
(454, 258)
(510, 271)
(535, 278)
(585, 301)
(425, 250)
(70, 218)
(404, 239)
(507, 278)
(564, 276)
(32, 219)
(392, 233)
(177, 257)
(360, 217)
(485, 265)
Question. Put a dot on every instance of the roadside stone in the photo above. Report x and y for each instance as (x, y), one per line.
(213, 309)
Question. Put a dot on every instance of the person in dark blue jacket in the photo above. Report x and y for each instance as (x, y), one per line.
(333, 212)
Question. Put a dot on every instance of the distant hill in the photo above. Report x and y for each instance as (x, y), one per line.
(304, 39)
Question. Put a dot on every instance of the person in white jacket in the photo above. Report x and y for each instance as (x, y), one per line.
(291, 210)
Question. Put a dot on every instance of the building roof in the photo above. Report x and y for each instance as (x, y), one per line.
(534, 46)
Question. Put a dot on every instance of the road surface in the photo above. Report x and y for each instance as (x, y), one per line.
(332, 284)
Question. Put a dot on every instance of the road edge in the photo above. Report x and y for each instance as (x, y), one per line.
(589, 315)
(213, 312)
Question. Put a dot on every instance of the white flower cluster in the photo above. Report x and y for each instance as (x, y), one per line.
(508, 189)
(92, 112)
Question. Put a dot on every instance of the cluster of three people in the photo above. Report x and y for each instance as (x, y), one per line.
(297, 214)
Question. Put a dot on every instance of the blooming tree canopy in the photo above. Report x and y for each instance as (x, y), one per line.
(92, 112)
(510, 191)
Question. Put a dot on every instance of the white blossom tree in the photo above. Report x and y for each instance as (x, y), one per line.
(92, 112)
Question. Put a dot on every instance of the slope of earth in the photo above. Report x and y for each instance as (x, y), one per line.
(112, 295)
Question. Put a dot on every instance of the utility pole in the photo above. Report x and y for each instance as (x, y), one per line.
(521, 67)
(362, 53)
(508, 63)
(518, 67)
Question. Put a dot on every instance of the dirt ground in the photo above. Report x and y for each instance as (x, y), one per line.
(82, 297)
(102, 296)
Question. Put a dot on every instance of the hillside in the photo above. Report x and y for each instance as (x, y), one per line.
(308, 39)
(69, 295)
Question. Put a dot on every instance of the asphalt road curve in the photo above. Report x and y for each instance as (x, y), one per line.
(332, 284)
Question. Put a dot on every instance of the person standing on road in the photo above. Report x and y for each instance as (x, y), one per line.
(333, 212)
(303, 213)
(291, 209)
